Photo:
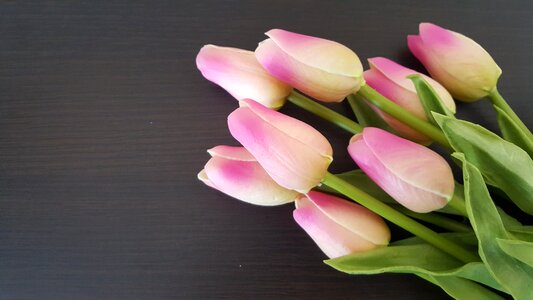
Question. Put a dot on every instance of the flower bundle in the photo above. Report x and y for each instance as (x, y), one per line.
(479, 252)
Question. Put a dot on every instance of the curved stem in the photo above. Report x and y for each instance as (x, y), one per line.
(398, 218)
(403, 115)
(324, 112)
(497, 100)
(437, 220)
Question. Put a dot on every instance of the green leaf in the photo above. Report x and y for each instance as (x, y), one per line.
(503, 164)
(523, 251)
(512, 132)
(507, 220)
(412, 256)
(429, 98)
(366, 116)
(515, 276)
(460, 288)
(398, 259)
(513, 226)
(523, 233)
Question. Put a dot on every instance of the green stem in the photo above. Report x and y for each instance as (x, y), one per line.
(458, 203)
(403, 115)
(497, 100)
(437, 220)
(324, 112)
(398, 218)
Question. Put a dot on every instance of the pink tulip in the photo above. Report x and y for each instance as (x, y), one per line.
(235, 172)
(412, 174)
(293, 153)
(239, 73)
(339, 227)
(456, 61)
(323, 69)
(390, 80)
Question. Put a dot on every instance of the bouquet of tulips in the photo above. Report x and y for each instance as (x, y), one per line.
(462, 240)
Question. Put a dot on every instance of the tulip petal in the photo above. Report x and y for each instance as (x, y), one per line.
(294, 128)
(393, 72)
(402, 159)
(239, 73)
(437, 36)
(353, 217)
(402, 97)
(285, 157)
(202, 176)
(246, 181)
(231, 152)
(322, 54)
(452, 47)
(413, 175)
(314, 82)
(325, 70)
(397, 74)
(395, 92)
(458, 62)
(416, 46)
(390, 80)
(333, 239)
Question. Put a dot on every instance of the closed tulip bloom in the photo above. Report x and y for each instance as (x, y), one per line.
(390, 80)
(239, 73)
(415, 176)
(235, 172)
(293, 153)
(339, 227)
(323, 69)
(456, 61)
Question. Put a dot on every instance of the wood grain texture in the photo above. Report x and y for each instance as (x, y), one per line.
(104, 123)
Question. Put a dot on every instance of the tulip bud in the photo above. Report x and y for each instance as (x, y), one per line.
(323, 69)
(235, 172)
(293, 153)
(339, 227)
(456, 61)
(390, 80)
(239, 73)
(412, 174)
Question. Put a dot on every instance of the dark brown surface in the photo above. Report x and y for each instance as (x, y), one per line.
(104, 123)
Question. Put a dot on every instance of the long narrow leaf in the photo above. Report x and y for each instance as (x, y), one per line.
(520, 250)
(515, 276)
(512, 132)
(429, 98)
(413, 258)
(503, 164)
(523, 233)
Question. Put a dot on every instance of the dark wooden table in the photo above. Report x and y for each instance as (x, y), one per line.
(104, 123)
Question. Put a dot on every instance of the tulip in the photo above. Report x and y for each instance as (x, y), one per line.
(339, 227)
(415, 176)
(456, 61)
(239, 73)
(293, 153)
(235, 172)
(323, 69)
(390, 80)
